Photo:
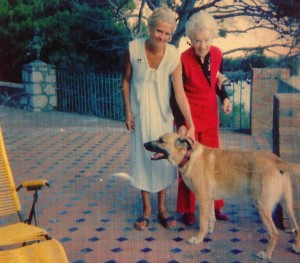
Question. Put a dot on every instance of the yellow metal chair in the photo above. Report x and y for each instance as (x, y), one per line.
(49, 251)
(23, 231)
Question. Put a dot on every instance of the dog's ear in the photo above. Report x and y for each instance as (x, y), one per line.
(183, 143)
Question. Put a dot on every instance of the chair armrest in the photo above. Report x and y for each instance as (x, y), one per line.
(34, 185)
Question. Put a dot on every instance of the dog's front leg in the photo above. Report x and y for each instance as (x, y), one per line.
(204, 218)
(212, 218)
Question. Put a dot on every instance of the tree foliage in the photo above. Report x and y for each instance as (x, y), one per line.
(280, 17)
(241, 67)
(74, 33)
(245, 64)
(94, 34)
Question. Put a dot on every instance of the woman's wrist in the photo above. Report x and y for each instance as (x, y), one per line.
(191, 125)
(225, 99)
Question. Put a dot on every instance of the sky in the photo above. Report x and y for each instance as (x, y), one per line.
(250, 39)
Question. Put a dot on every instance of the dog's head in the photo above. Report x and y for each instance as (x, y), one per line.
(170, 146)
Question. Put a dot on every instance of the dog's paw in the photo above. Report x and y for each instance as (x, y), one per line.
(211, 228)
(262, 255)
(295, 248)
(195, 240)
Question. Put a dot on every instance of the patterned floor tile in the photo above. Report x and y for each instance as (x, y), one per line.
(92, 211)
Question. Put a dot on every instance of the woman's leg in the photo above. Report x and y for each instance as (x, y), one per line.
(146, 204)
(143, 221)
(186, 203)
(164, 217)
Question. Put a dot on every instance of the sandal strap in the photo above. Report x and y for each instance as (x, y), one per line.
(142, 219)
(170, 218)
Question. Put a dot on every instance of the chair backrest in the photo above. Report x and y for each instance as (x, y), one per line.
(48, 251)
(9, 200)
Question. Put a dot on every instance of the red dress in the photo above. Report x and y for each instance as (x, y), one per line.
(203, 102)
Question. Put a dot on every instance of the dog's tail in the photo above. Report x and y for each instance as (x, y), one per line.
(289, 167)
(122, 175)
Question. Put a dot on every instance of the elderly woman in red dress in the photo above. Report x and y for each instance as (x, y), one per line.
(202, 77)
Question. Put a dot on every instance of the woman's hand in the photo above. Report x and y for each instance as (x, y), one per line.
(227, 107)
(191, 133)
(182, 130)
(129, 122)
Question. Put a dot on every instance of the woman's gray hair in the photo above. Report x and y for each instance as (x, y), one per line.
(201, 21)
(162, 14)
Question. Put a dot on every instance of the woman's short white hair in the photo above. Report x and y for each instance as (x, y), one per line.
(201, 21)
(162, 14)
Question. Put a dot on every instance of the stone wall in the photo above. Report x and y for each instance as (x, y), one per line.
(285, 87)
(264, 86)
(286, 136)
(275, 111)
(40, 86)
(275, 106)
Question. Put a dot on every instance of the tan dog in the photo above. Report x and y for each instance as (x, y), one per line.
(214, 174)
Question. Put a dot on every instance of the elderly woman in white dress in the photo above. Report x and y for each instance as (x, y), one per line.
(151, 64)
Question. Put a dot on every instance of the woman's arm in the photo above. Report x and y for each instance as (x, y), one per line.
(126, 76)
(182, 100)
(178, 117)
(221, 92)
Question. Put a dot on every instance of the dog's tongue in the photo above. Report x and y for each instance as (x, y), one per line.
(157, 156)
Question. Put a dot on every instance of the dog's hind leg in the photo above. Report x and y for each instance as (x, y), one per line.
(287, 205)
(265, 213)
(205, 206)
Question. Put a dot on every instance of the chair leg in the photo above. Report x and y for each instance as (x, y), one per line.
(32, 213)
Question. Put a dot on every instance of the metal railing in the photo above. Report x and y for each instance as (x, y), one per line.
(13, 94)
(91, 92)
(239, 93)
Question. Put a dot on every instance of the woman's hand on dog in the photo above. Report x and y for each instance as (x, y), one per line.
(183, 131)
(191, 133)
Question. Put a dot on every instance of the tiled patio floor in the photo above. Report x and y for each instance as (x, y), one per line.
(91, 207)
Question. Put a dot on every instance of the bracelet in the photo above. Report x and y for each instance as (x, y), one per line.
(129, 113)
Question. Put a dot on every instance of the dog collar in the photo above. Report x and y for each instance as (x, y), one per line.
(185, 159)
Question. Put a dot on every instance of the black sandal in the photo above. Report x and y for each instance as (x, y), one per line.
(165, 222)
(140, 220)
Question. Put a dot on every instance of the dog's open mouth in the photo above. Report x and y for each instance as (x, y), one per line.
(158, 156)
(159, 153)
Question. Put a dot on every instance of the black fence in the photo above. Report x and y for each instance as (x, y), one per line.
(90, 92)
(99, 93)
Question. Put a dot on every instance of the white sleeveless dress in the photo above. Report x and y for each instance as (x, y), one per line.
(150, 92)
